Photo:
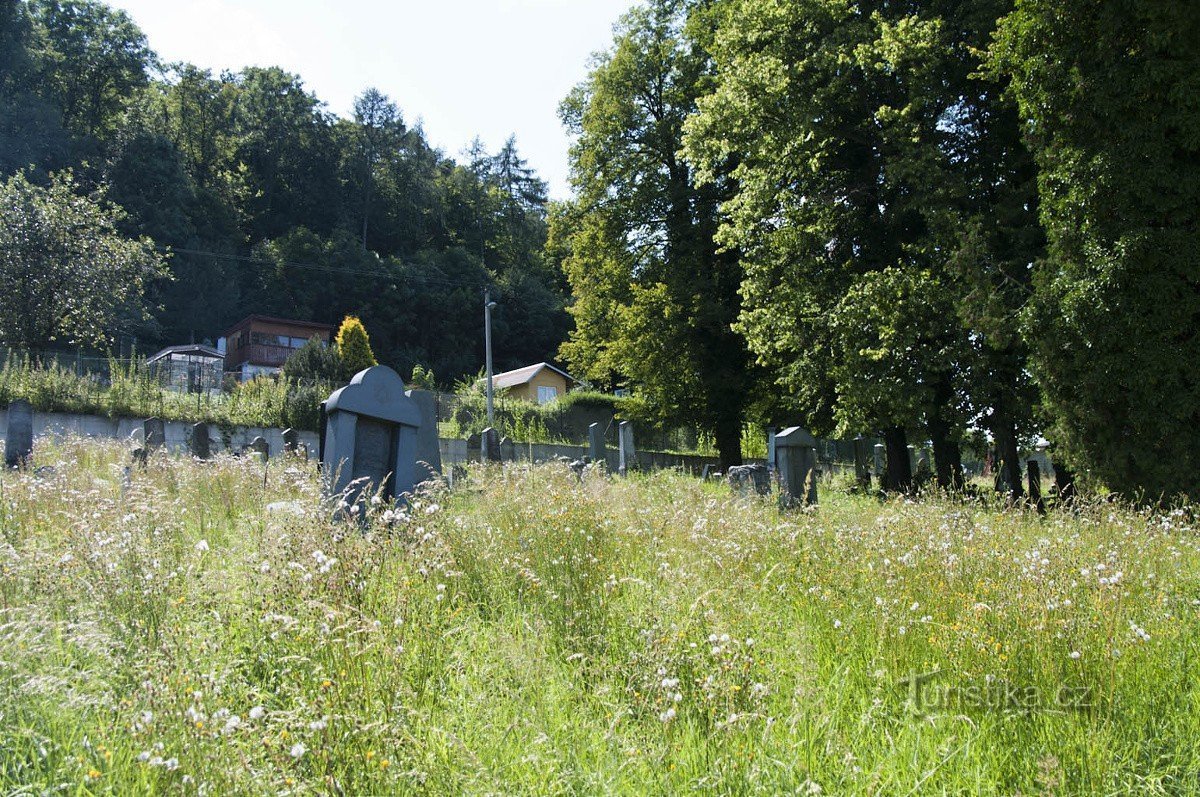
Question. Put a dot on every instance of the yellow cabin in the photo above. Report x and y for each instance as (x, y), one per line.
(540, 383)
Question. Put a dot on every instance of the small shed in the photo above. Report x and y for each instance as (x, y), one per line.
(540, 383)
(193, 368)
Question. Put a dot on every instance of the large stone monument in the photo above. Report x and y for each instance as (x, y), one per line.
(626, 453)
(369, 439)
(18, 438)
(796, 464)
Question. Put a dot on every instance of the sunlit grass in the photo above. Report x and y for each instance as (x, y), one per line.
(533, 634)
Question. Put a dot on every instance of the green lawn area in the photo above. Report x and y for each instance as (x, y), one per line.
(529, 633)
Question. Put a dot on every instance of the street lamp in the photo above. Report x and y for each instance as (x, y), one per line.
(488, 304)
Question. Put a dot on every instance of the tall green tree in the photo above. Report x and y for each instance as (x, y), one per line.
(655, 296)
(1109, 92)
(831, 110)
(67, 276)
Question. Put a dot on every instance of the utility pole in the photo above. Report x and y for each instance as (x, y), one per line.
(488, 304)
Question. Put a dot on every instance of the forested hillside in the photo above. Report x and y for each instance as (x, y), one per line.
(269, 203)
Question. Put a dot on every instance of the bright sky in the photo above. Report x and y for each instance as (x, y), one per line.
(464, 67)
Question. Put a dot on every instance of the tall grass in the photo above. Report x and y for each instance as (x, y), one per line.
(131, 390)
(532, 633)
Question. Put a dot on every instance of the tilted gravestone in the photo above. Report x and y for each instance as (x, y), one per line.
(201, 445)
(746, 478)
(862, 470)
(155, 431)
(18, 438)
(626, 453)
(508, 450)
(260, 446)
(796, 462)
(370, 439)
(596, 447)
(490, 445)
(429, 453)
(291, 441)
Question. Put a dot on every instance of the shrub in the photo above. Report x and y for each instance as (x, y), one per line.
(354, 345)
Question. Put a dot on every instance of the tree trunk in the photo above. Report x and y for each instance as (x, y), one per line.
(899, 470)
(947, 456)
(1064, 481)
(728, 434)
(1009, 465)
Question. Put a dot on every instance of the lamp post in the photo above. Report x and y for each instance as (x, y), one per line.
(488, 304)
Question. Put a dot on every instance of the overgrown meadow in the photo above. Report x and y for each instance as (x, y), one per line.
(531, 633)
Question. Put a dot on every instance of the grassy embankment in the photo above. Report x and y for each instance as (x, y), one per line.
(531, 634)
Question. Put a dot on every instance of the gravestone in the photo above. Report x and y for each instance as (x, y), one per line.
(260, 446)
(429, 453)
(626, 453)
(596, 448)
(796, 462)
(370, 440)
(291, 441)
(201, 446)
(508, 450)
(155, 434)
(18, 439)
(862, 469)
(912, 459)
(880, 452)
(489, 446)
(474, 447)
(771, 448)
(707, 471)
(744, 478)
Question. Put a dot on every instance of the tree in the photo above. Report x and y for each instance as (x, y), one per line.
(354, 345)
(67, 276)
(314, 362)
(93, 58)
(1108, 95)
(380, 127)
(654, 294)
(830, 110)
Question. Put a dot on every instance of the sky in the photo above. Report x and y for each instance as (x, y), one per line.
(464, 68)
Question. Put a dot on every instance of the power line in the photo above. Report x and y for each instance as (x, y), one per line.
(364, 272)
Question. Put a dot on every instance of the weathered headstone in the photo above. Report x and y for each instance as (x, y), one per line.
(291, 441)
(796, 461)
(474, 447)
(201, 445)
(744, 478)
(862, 469)
(626, 453)
(771, 431)
(260, 446)
(912, 459)
(1035, 485)
(370, 440)
(508, 450)
(155, 434)
(18, 439)
(707, 471)
(880, 452)
(489, 446)
(596, 448)
(429, 453)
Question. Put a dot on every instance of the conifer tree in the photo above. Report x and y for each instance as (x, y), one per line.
(354, 345)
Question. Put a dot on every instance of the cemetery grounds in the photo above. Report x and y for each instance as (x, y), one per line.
(205, 629)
